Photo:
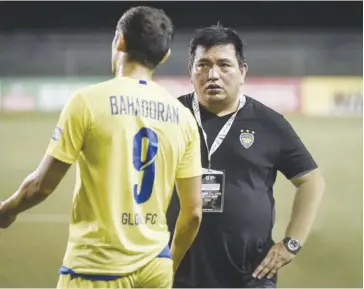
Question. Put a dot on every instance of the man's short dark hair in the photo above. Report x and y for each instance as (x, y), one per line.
(214, 36)
(148, 33)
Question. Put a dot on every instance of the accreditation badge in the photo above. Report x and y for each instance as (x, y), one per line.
(213, 189)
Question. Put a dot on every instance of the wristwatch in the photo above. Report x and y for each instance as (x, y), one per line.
(292, 245)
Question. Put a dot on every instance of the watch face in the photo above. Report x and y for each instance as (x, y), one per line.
(293, 244)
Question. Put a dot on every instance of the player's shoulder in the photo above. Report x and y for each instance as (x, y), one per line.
(186, 100)
(178, 103)
(261, 112)
(90, 94)
(167, 95)
(91, 89)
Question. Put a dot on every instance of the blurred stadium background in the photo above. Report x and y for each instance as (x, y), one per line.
(305, 61)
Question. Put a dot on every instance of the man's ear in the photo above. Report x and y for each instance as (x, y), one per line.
(166, 56)
(244, 71)
(120, 42)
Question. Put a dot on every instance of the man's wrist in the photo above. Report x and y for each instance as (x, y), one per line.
(293, 245)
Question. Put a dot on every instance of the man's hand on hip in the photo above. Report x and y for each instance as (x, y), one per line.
(277, 257)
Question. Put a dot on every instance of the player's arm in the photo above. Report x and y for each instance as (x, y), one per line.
(309, 191)
(297, 164)
(188, 185)
(62, 151)
(35, 189)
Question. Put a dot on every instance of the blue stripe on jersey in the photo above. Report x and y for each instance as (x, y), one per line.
(143, 82)
(166, 253)
(66, 271)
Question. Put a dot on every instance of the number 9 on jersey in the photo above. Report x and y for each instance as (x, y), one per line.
(143, 192)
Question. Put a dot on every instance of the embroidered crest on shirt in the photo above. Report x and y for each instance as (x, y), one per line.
(247, 138)
(57, 134)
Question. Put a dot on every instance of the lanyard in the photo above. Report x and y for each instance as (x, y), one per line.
(223, 132)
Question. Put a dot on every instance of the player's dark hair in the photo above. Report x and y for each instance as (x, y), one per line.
(148, 33)
(216, 35)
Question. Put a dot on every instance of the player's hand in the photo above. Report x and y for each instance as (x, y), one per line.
(277, 257)
(5, 219)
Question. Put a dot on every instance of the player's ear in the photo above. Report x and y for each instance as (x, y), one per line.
(120, 42)
(244, 70)
(166, 56)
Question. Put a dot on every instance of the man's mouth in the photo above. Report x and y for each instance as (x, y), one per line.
(213, 87)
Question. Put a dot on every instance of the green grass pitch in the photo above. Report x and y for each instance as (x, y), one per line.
(31, 251)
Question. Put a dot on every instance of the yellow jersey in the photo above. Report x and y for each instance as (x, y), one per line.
(131, 140)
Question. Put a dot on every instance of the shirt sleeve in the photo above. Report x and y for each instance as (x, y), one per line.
(190, 166)
(68, 136)
(294, 157)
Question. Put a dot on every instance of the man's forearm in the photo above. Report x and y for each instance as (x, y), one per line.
(28, 195)
(307, 200)
(184, 235)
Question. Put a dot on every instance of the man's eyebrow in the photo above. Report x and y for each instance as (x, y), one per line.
(224, 60)
(220, 60)
(203, 60)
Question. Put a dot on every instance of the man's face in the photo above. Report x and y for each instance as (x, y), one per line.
(216, 74)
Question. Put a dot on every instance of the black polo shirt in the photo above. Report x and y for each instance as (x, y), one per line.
(231, 244)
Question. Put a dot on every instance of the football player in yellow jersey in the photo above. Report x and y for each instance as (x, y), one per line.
(132, 141)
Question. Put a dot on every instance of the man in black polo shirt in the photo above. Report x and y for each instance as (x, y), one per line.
(244, 144)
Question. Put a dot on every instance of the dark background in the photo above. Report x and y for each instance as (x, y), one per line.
(283, 38)
(103, 15)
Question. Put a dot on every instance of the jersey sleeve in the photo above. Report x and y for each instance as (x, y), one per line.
(294, 157)
(68, 136)
(190, 166)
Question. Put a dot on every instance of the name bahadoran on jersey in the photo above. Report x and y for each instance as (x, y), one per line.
(134, 106)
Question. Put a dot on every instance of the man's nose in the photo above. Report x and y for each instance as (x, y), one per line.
(214, 73)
